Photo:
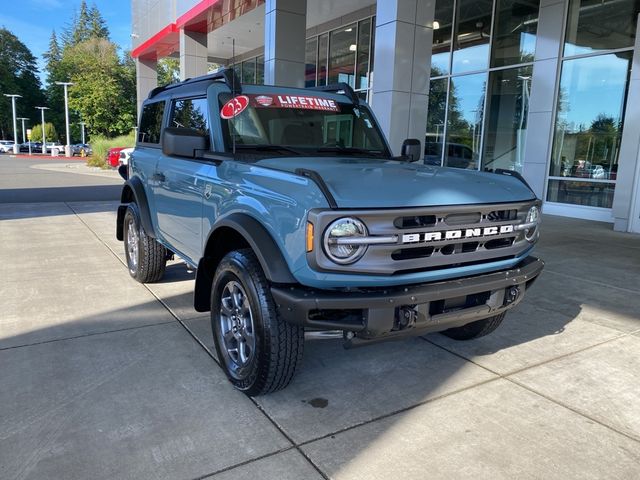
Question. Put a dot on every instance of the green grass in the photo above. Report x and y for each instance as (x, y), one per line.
(101, 145)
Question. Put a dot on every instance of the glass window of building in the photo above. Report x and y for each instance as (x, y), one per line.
(249, 71)
(600, 25)
(363, 53)
(514, 34)
(472, 35)
(311, 62)
(435, 122)
(260, 70)
(464, 120)
(442, 29)
(588, 129)
(506, 124)
(342, 55)
(323, 54)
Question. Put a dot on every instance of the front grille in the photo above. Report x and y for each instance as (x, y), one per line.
(431, 238)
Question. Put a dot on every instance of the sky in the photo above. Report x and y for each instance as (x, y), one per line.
(33, 20)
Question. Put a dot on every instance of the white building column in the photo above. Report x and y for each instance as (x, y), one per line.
(538, 146)
(193, 54)
(404, 36)
(285, 28)
(626, 199)
(146, 80)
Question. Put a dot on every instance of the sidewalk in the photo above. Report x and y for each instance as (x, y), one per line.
(105, 378)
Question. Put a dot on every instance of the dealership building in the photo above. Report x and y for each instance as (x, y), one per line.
(548, 88)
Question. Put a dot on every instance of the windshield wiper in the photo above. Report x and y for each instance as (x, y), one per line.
(269, 148)
(350, 150)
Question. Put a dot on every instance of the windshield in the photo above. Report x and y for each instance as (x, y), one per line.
(298, 124)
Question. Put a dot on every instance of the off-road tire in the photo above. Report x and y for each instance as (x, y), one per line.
(278, 345)
(151, 256)
(476, 329)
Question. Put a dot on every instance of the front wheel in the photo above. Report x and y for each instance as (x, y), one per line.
(476, 329)
(257, 349)
(146, 258)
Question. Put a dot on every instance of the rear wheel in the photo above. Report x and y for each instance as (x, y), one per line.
(146, 258)
(476, 329)
(257, 349)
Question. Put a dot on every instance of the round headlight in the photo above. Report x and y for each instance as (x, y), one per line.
(533, 216)
(336, 240)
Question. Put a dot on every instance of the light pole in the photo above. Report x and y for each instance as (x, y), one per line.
(15, 126)
(82, 124)
(44, 137)
(67, 147)
(24, 139)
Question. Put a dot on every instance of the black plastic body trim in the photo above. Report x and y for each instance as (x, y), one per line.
(227, 74)
(337, 87)
(318, 180)
(379, 305)
(271, 259)
(512, 173)
(140, 197)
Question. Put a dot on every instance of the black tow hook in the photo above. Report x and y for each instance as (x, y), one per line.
(511, 295)
(405, 318)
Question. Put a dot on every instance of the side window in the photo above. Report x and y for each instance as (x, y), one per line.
(151, 123)
(191, 113)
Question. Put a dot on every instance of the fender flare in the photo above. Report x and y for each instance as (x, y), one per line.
(133, 191)
(261, 242)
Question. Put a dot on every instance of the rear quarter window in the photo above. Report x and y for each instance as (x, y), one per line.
(151, 123)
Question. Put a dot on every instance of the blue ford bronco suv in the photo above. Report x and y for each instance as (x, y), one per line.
(296, 216)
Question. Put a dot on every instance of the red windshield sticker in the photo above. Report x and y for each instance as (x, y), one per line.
(302, 102)
(234, 107)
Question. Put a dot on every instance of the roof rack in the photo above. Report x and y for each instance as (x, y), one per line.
(227, 74)
(341, 89)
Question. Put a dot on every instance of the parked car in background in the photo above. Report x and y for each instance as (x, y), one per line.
(125, 155)
(81, 149)
(113, 156)
(6, 146)
(36, 147)
(55, 148)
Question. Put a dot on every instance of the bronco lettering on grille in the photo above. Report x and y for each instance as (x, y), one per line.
(456, 234)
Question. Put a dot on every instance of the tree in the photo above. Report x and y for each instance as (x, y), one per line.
(55, 73)
(97, 25)
(18, 75)
(168, 71)
(104, 90)
(82, 25)
(51, 135)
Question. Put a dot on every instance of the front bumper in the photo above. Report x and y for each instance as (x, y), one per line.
(378, 314)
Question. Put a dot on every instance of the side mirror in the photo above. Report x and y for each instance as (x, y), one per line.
(183, 142)
(411, 149)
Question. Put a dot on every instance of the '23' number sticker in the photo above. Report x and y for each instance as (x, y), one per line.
(234, 107)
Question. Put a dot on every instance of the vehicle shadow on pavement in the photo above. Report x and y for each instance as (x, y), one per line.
(88, 193)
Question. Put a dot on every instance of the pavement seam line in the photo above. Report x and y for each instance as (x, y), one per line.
(86, 335)
(535, 365)
(204, 347)
(242, 464)
(397, 412)
(574, 410)
(507, 377)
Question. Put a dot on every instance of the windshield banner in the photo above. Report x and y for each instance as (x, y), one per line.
(236, 105)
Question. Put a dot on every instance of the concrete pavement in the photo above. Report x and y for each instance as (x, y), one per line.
(105, 378)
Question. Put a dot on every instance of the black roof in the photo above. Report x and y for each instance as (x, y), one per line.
(230, 78)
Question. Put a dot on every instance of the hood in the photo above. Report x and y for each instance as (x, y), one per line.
(379, 183)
